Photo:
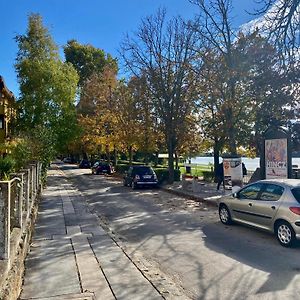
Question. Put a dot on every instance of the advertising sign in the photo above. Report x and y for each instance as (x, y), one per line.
(233, 170)
(276, 158)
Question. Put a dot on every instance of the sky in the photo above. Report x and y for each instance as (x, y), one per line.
(100, 23)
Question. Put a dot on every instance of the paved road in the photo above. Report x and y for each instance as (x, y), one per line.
(183, 247)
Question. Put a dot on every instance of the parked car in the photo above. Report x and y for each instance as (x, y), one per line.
(67, 160)
(140, 176)
(84, 164)
(102, 168)
(272, 205)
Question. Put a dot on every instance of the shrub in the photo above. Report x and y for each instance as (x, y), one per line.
(121, 168)
(208, 176)
(163, 175)
(7, 165)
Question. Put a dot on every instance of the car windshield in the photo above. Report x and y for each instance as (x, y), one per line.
(143, 171)
(296, 193)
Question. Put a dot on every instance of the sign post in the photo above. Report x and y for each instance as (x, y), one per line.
(233, 170)
(277, 158)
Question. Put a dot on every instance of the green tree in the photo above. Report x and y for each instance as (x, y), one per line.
(269, 90)
(88, 60)
(262, 94)
(47, 90)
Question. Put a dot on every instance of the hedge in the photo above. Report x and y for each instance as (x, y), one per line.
(208, 176)
(121, 168)
(163, 175)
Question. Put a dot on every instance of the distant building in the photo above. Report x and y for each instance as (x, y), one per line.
(7, 114)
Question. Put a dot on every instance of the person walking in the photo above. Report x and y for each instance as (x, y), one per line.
(220, 176)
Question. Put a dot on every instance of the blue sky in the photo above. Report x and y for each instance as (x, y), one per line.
(100, 23)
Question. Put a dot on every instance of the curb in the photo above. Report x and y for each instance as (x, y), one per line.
(192, 197)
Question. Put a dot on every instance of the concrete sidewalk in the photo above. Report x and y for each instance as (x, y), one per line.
(201, 191)
(72, 257)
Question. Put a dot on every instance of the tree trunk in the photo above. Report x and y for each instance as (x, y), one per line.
(115, 156)
(156, 159)
(130, 152)
(176, 161)
(107, 154)
(171, 159)
(231, 132)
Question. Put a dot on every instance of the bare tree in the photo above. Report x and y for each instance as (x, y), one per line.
(215, 28)
(164, 52)
(282, 23)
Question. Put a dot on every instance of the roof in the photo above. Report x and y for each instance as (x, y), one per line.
(5, 91)
(286, 181)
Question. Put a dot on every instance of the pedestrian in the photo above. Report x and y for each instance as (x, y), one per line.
(220, 176)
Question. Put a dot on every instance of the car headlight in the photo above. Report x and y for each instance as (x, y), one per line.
(137, 177)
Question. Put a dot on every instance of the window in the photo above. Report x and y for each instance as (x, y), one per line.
(271, 192)
(296, 194)
(250, 192)
(143, 171)
(1, 121)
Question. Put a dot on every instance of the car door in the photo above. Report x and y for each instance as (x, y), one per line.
(264, 209)
(242, 205)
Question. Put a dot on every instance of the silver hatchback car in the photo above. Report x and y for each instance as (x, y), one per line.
(272, 205)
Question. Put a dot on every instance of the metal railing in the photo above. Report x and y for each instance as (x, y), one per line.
(17, 197)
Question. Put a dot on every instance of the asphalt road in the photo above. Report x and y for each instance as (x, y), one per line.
(185, 251)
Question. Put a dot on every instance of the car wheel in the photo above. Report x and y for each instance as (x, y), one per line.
(285, 234)
(224, 215)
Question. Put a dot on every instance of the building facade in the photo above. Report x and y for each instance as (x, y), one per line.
(7, 114)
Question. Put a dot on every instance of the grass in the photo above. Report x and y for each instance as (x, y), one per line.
(196, 170)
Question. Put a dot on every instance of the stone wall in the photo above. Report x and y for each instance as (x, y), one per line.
(11, 273)
(19, 199)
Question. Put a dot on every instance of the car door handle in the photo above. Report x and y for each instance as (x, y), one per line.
(250, 204)
(273, 207)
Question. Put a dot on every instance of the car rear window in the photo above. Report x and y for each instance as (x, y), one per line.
(143, 171)
(296, 194)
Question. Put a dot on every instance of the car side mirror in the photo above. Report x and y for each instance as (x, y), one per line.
(235, 195)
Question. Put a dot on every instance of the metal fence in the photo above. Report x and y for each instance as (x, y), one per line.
(17, 197)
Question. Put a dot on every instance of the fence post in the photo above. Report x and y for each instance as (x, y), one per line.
(4, 220)
(33, 173)
(17, 186)
(26, 189)
(31, 191)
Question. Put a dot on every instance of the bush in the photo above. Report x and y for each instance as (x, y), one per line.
(121, 168)
(7, 165)
(163, 175)
(208, 176)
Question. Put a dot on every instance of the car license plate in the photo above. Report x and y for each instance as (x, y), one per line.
(147, 176)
